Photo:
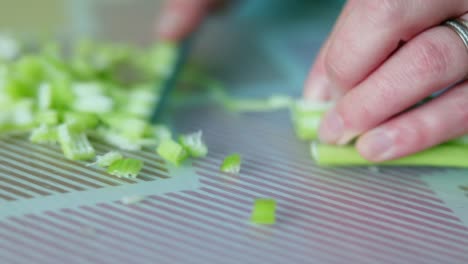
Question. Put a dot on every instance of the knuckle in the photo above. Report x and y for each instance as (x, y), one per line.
(357, 116)
(336, 67)
(460, 105)
(430, 59)
(385, 12)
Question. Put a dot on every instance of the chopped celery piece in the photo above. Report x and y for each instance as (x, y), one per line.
(44, 100)
(438, 156)
(172, 152)
(80, 122)
(194, 144)
(141, 102)
(118, 140)
(91, 97)
(44, 135)
(23, 113)
(231, 164)
(306, 117)
(94, 104)
(75, 146)
(125, 168)
(159, 132)
(130, 127)
(264, 212)
(133, 199)
(107, 159)
(47, 117)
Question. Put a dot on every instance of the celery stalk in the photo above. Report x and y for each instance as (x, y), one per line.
(44, 135)
(306, 117)
(438, 156)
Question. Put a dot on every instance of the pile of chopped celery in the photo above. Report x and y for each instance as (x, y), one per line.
(100, 91)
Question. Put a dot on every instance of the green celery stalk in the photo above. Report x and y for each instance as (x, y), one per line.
(438, 156)
(306, 117)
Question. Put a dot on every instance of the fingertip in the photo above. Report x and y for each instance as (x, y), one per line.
(180, 18)
(377, 145)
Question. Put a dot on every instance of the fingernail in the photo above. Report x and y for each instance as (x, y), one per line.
(332, 127)
(170, 22)
(377, 145)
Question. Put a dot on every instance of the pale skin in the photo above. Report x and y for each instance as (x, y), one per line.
(381, 58)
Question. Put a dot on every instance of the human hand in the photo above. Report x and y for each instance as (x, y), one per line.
(374, 78)
(179, 18)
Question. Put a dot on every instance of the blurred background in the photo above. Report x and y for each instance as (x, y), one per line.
(249, 43)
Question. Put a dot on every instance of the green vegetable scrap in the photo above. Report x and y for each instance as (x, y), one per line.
(75, 146)
(194, 144)
(107, 159)
(133, 199)
(231, 164)
(125, 168)
(172, 152)
(264, 212)
(44, 135)
(442, 155)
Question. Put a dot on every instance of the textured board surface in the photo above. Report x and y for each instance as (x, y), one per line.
(57, 211)
(323, 216)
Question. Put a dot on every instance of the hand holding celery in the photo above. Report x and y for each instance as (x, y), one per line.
(306, 118)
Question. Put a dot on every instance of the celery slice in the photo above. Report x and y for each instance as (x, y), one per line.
(172, 152)
(438, 156)
(130, 127)
(264, 212)
(159, 132)
(75, 146)
(44, 100)
(231, 164)
(44, 135)
(47, 117)
(194, 144)
(80, 122)
(107, 159)
(125, 168)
